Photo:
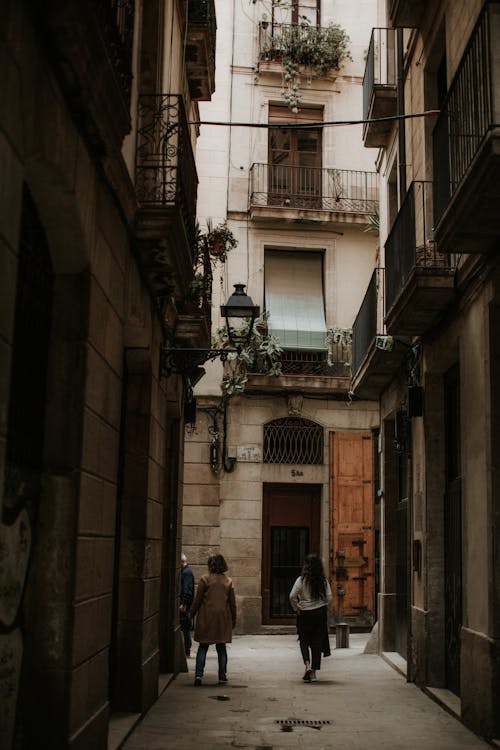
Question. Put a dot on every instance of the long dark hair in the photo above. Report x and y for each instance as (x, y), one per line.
(314, 575)
(217, 564)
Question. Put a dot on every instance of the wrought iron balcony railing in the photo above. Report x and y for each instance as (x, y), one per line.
(116, 23)
(368, 321)
(315, 188)
(410, 244)
(314, 363)
(380, 69)
(379, 86)
(201, 35)
(165, 175)
(470, 110)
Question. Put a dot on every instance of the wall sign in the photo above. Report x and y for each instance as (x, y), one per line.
(249, 453)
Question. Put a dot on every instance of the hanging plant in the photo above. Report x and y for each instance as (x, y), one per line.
(220, 241)
(209, 247)
(373, 224)
(262, 354)
(309, 49)
(334, 338)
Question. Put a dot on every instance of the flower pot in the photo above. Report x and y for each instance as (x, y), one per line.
(217, 246)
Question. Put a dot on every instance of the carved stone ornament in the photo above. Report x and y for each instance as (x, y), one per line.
(294, 403)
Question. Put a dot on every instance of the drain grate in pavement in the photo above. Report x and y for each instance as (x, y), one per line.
(302, 722)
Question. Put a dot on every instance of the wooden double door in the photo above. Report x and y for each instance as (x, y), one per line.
(291, 530)
(352, 535)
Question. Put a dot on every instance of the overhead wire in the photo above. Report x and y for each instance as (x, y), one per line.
(321, 124)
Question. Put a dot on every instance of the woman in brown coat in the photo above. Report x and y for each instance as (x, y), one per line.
(215, 607)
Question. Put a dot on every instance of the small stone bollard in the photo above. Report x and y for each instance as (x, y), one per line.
(342, 635)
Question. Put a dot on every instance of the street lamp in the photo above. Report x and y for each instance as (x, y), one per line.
(239, 313)
(238, 308)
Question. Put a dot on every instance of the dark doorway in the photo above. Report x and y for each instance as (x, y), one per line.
(453, 531)
(289, 546)
(290, 532)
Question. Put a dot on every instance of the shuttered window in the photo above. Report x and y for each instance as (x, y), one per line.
(294, 298)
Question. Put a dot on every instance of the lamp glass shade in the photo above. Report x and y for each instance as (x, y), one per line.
(239, 305)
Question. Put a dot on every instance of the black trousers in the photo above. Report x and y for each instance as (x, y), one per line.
(312, 625)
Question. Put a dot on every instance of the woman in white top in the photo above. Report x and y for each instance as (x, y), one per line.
(310, 597)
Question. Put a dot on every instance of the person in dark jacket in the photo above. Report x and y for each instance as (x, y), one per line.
(215, 607)
(311, 597)
(186, 599)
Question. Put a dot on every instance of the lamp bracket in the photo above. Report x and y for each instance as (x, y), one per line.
(183, 361)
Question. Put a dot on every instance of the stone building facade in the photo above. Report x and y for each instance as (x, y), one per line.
(286, 467)
(433, 365)
(97, 224)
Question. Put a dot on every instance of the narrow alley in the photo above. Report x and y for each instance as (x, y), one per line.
(358, 703)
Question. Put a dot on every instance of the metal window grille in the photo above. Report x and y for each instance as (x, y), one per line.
(293, 440)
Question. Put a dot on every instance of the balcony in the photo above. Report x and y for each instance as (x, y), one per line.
(379, 87)
(420, 281)
(406, 12)
(308, 371)
(166, 186)
(312, 194)
(91, 47)
(200, 48)
(300, 44)
(466, 144)
(372, 368)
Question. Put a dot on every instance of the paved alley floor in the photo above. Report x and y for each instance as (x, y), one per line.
(358, 703)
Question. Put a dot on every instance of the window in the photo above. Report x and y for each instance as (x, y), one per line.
(294, 160)
(294, 298)
(293, 440)
(305, 11)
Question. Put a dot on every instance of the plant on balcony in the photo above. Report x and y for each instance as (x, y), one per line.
(198, 295)
(261, 354)
(209, 247)
(373, 224)
(305, 48)
(335, 337)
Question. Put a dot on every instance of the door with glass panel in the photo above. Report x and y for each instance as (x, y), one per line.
(295, 12)
(295, 166)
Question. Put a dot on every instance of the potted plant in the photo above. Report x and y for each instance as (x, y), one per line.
(198, 293)
(316, 50)
(220, 240)
(261, 354)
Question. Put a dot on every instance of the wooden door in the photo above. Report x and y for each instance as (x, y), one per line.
(295, 160)
(290, 531)
(352, 560)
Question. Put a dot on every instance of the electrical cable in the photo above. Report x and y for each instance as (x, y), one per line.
(309, 125)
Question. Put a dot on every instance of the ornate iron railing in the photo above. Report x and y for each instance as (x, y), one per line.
(410, 243)
(316, 363)
(202, 13)
(293, 440)
(470, 109)
(116, 23)
(315, 188)
(380, 69)
(165, 174)
(201, 43)
(368, 321)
